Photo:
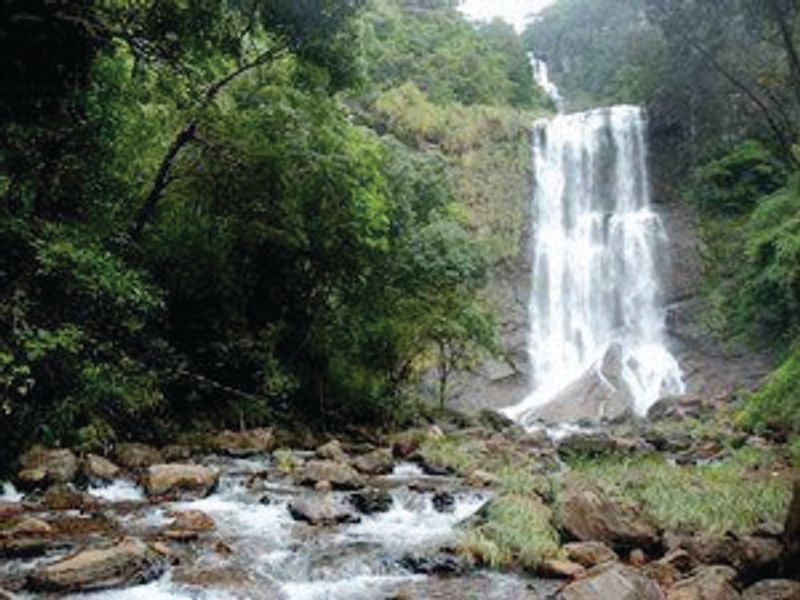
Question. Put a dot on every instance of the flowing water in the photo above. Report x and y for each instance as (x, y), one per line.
(271, 556)
(596, 244)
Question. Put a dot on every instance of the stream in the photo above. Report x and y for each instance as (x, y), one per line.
(259, 551)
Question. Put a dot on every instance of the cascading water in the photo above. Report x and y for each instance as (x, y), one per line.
(595, 298)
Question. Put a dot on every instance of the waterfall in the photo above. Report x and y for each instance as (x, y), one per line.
(596, 339)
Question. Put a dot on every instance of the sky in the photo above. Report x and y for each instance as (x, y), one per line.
(513, 11)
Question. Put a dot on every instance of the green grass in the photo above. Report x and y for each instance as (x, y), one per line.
(517, 532)
(732, 496)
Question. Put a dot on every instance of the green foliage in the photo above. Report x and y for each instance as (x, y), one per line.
(438, 51)
(734, 183)
(517, 533)
(776, 406)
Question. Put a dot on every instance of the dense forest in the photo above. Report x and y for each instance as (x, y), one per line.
(218, 212)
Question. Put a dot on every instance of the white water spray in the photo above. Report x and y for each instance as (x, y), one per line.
(596, 239)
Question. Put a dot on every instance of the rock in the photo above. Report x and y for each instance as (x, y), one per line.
(176, 479)
(612, 581)
(321, 511)
(590, 554)
(340, 476)
(377, 462)
(403, 448)
(26, 526)
(587, 445)
(773, 589)
(245, 443)
(444, 502)
(176, 453)
(637, 558)
(708, 583)
(752, 556)
(332, 451)
(561, 569)
(98, 469)
(129, 562)
(193, 520)
(65, 497)
(587, 516)
(440, 564)
(482, 479)
(26, 547)
(494, 420)
(43, 467)
(677, 408)
(600, 394)
(791, 532)
(435, 470)
(4, 595)
(137, 456)
(10, 509)
(371, 501)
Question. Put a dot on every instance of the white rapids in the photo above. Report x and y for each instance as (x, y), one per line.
(596, 246)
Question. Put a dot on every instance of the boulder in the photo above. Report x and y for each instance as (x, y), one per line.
(129, 562)
(42, 467)
(586, 515)
(587, 445)
(174, 480)
(590, 554)
(708, 583)
(98, 469)
(444, 502)
(192, 520)
(613, 581)
(245, 443)
(670, 568)
(752, 556)
(25, 526)
(65, 497)
(443, 563)
(10, 509)
(561, 569)
(791, 533)
(321, 511)
(377, 462)
(137, 456)
(482, 479)
(773, 589)
(332, 451)
(4, 595)
(600, 394)
(371, 501)
(339, 476)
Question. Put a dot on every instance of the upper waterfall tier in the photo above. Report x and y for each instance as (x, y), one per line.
(596, 339)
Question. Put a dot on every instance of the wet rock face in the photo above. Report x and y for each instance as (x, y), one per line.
(587, 516)
(600, 394)
(612, 582)
(339, 476)
(175, 480)
(709, 583)
(439, 564)
(43, 467)
(129, 562)
(322, 511)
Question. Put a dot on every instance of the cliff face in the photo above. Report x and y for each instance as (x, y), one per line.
(711, 367)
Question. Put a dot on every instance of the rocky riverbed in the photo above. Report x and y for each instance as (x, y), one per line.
(424, 514)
